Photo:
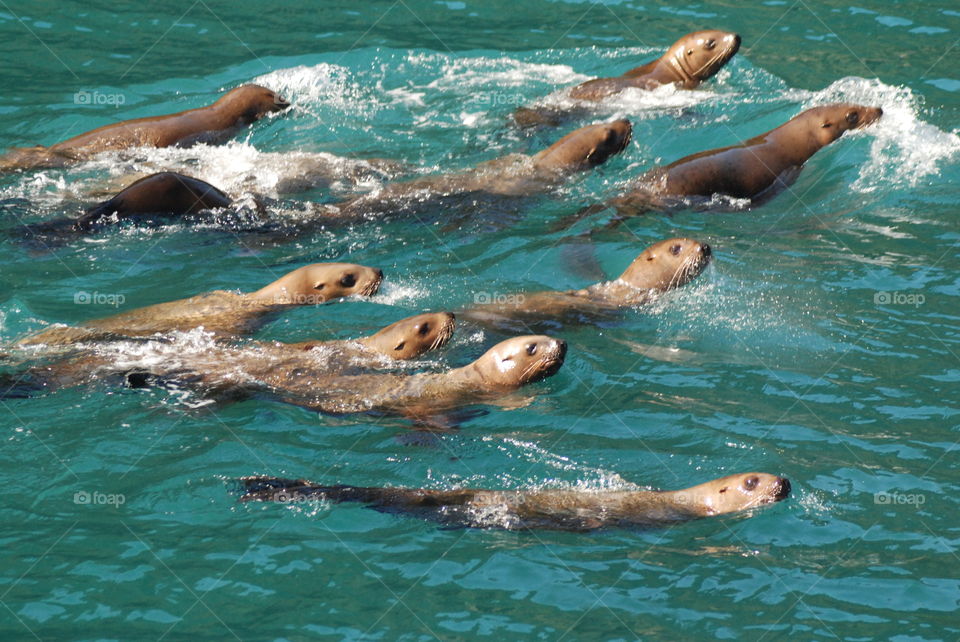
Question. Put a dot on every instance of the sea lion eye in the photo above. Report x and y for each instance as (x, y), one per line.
(348, 281)
(400, 346)
(531, 349)
(319, 286)
(853, 117)
(826, 125)
(423, 329)
(675, 249)
(710, 44)
(750, 483)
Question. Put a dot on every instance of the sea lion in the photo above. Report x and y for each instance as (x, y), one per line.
(663, 266)
(213, 124)
(228, 313)
(402, 340)
(167, 193)
(692, 59)
(756, 169)
(516, 175)
(570, 510)
(219, 368)
(504, 368)
(298, 377)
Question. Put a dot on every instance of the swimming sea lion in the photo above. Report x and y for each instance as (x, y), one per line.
(230, 313)
(661, 267)
(516, 175)
(505, 367)
(222, 370)
(167, 193)
(691, 60)
(570, 510)
(755, 169)
(405, 339)
(213, 124)
(296, 377)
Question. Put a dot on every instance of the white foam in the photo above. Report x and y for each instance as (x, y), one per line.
(392, 293)
(905, 150)
(499, 73)
(306, 87)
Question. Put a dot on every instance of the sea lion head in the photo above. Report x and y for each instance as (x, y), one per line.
(586, 147)
(829, 122)
(250, 103)
(411, 337)
(701, 54)
(321, 282)
(737, 492)
(519, 361)
(668, 264)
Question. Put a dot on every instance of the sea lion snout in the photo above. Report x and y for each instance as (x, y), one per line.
(560, 347)
(705, 250)
(733, 42)
(783, 489)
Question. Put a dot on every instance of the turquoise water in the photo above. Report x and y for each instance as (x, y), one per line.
(822, 344)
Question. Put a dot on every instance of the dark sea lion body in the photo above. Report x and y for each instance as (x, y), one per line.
(165, 193)
(691, 60)
(212, 124)
(572, 510)
(755, 169)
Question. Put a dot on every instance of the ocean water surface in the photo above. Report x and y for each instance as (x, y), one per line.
(822, 344)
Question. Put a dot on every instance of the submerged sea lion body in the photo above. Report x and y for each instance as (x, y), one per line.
(230, 313)
(690, 61)
(213, 124)
(573, 510)
(661, 267)
(516, 175)
(755, 169)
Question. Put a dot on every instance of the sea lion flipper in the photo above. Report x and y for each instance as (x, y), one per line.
(580, 257)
